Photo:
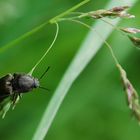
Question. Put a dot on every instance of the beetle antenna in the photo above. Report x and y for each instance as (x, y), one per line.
(44, 73)
(44, 88)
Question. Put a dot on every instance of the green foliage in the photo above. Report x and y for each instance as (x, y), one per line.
(94, 107)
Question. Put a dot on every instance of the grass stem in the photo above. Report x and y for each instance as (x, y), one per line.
(36, 29)
(38, 62)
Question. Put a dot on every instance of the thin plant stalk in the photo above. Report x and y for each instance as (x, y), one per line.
(56, 19)
(38, 62)
(36, 29)
(115, 27)
(107, 44)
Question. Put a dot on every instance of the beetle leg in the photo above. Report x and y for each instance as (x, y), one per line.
(15, 100)
(20, 95)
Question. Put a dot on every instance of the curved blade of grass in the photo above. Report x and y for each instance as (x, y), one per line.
(56, 34)
(87, 51)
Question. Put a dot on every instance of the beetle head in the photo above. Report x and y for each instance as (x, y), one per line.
(36, 83)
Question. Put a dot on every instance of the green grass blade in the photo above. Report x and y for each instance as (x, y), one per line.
(68, 11)
(87, 51)
(39, 27)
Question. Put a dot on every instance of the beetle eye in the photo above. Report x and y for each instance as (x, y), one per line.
(36, 83)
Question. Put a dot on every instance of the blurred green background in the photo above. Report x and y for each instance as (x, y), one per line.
(95, 107)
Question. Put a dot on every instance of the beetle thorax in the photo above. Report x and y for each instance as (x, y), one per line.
(24, 83)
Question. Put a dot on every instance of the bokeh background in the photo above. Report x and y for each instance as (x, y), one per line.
(95, 107)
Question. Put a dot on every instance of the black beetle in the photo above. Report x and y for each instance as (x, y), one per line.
(16, 84)
(13, 85)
